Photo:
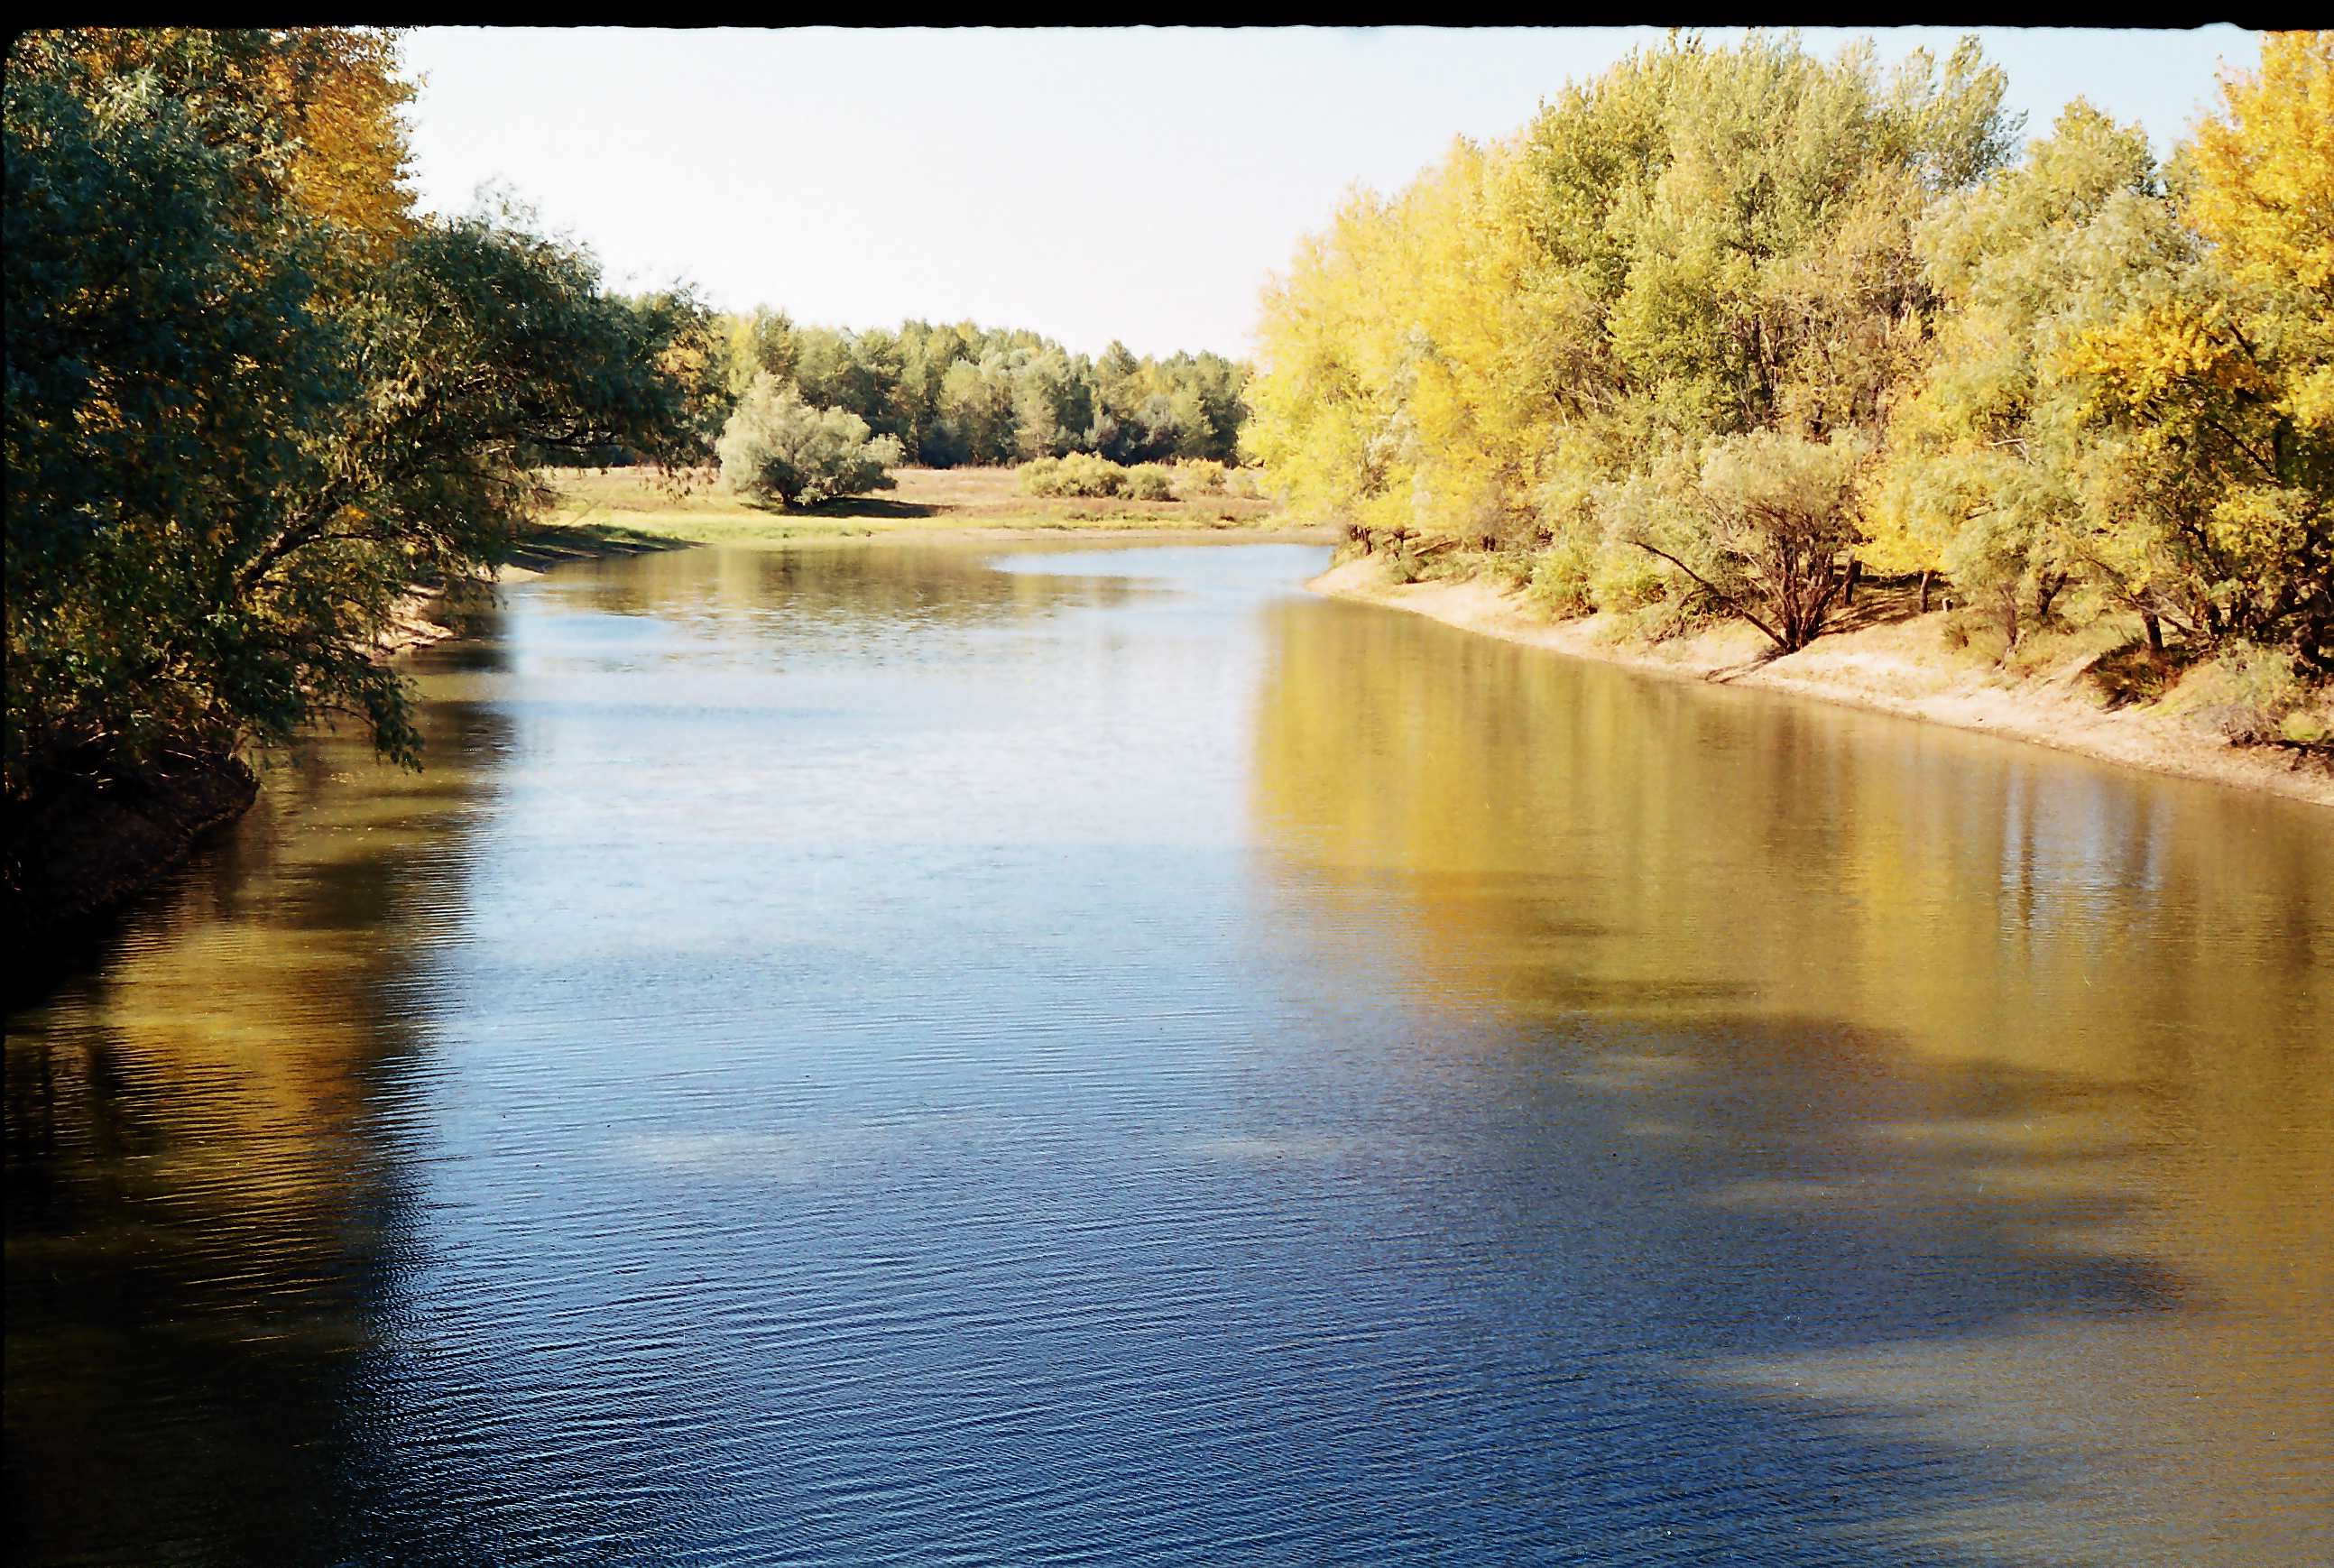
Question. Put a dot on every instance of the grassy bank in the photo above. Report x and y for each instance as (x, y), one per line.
(634, 505)
(1886, 656)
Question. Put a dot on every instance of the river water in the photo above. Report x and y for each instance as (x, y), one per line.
(926, 1054)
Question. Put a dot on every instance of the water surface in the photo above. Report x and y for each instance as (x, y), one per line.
(911, 1053)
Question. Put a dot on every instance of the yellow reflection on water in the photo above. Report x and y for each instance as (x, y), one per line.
(1902, 974)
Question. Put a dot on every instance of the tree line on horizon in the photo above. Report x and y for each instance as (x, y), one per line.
(1724, 322)
(957, 393)
(817, 412)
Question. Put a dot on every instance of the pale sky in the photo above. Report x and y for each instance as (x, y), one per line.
(1130, 183)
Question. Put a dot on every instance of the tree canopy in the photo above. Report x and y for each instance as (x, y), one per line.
(254, 402)
(2067, 370)
(961, 393)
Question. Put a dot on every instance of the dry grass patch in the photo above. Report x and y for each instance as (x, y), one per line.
(693, 508)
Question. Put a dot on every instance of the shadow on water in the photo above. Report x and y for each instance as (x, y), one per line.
(1601, 1225)
(206, 1214)
(1794, 1040)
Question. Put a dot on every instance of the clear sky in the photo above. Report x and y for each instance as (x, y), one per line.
(1134, 183)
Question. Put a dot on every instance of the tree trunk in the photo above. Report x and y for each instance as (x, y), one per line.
(2046, 591)
(1925, 591)
(1855, 571)
(2154, 630)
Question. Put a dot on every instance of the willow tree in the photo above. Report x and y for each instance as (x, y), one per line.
(778, 447)
(253, 405)
(1985, 480)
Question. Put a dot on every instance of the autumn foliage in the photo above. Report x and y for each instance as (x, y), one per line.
(1724, 319)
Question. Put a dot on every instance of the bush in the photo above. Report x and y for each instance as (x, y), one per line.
(1562, 581)
(1511, 569)
(1149, 482)
(777, 446)
(1621, 578)
(1976, 634)
(2311, 727)
(1200, 476)
(2132, 673)
(1079, 474)
(2247, 693)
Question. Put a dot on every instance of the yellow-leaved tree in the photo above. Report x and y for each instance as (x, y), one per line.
(2212, 397)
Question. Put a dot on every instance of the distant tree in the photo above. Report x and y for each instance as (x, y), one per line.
(1053, 405)
(975, 416)
(963, 393)
(760, 343)
(777, 447)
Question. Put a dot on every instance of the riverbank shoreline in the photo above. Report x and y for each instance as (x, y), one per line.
(77, 860)
(1899, 667)
(416, 624)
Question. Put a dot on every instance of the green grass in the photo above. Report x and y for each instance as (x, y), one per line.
(619, 511)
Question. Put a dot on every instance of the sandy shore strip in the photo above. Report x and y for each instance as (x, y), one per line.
(1901, 668)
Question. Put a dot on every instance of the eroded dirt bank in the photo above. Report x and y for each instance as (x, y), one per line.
(1902, 667)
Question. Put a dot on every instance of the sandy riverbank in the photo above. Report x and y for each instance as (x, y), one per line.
(1901, 668)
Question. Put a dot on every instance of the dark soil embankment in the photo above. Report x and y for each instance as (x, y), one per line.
(73, 857)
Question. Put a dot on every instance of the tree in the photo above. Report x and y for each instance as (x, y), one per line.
(975, 410)
(239, 436)
(779, 448)
(1774, 512)
(1985, 479)
(1699, 244)
(2212, 394)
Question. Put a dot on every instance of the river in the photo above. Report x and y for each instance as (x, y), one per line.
(933, 1054)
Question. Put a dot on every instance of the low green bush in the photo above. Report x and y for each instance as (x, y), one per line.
(2311, 727)
(1079, 474)
(1147, 482)
(2247, 694)
(1200, 477)
(2134, 673)
(1563, 580)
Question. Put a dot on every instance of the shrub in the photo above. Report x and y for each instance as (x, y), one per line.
(1079, 474)
(2247, 693)
(1511, 569)
(1148, 482)
(1975, 634)
(1200, 476)
(2132, 673)
(778, 447)
(2311, 727)
(1562, 581)
(1621, 578)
